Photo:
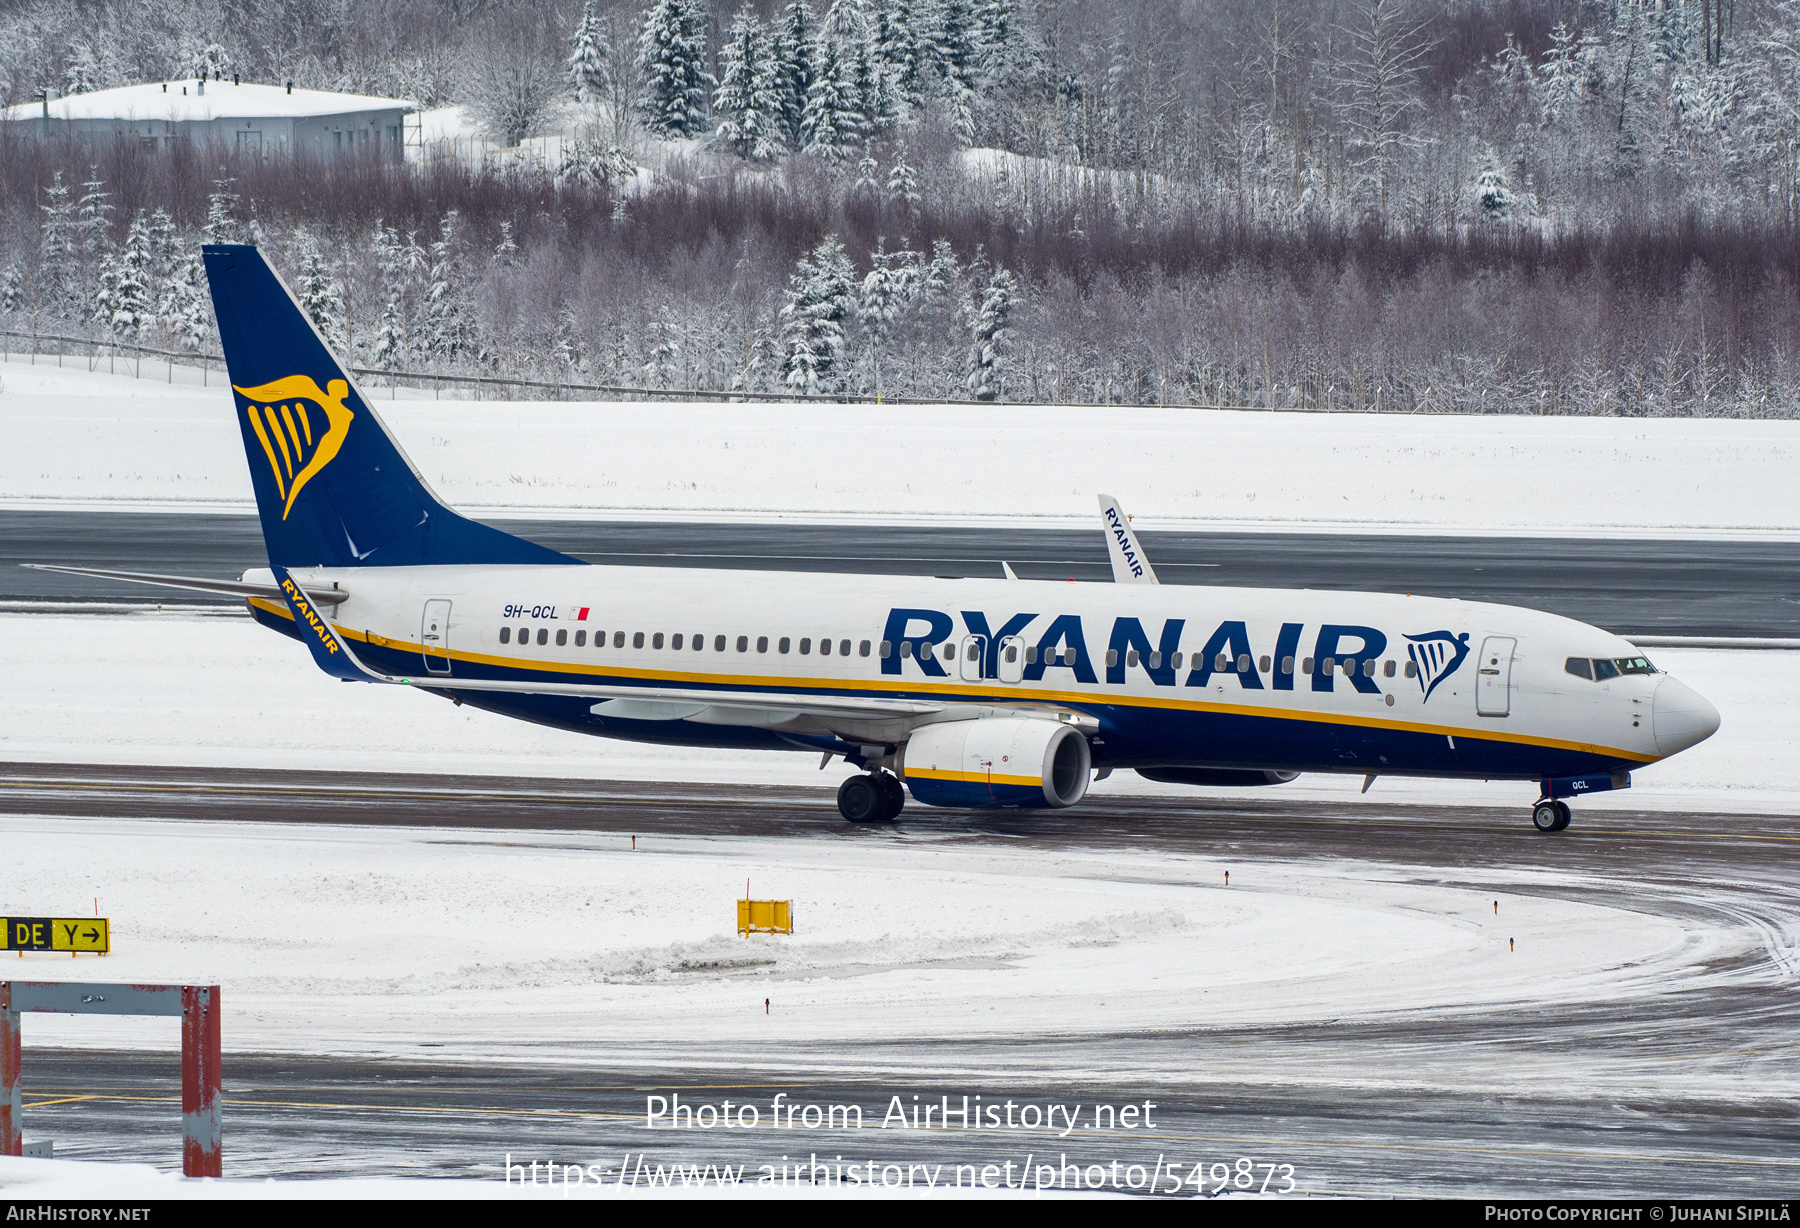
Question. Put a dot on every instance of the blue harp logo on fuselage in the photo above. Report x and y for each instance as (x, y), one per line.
(300, 427)
(1437, 654)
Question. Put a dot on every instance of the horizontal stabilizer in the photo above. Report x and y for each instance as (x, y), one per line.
(228, 588)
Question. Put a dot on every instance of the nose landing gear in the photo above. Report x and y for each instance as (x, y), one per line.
(1550, 815)
(875, 797)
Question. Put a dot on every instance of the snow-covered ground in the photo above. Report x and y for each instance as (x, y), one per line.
(221, 691)
(89, 439)
(370, 940)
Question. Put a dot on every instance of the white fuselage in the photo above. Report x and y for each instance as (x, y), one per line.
(1413, 702)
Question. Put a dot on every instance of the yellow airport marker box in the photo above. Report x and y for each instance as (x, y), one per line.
(765, 917)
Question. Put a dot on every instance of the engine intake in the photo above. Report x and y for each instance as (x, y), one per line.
(997, 761)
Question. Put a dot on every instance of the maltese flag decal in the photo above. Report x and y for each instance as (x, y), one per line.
(581, 614)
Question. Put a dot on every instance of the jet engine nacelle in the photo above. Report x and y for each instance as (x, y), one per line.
(997, 761)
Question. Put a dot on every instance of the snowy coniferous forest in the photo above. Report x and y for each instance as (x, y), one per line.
(1546, 206)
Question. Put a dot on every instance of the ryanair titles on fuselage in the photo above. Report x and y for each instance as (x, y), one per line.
(1351, 648)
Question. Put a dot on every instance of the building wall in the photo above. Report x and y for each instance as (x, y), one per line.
(379, 134)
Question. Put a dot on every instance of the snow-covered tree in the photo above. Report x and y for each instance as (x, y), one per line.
(566, 348)
(509, 83)
(876, 105)
(588, 53)
(321, 298)
(793, 55)
(1493, 191)
(447, 326)
(894, 43)
(748, 101)
(82, 72)
(819, 296)
(389, 349)
(993, 329)
(12, 290)
(955, 53)
(209, 61)
(831, 124)
(866, 186)
(126, 304)
(672, 62)
(506, 251)
(664, 351)
(903, 186)
(221, 213)
(1570, 76)
(93, 217)
(887, 290)
(594, 165)
(1378, 96)
(58, 248)
(165, 248)
(184, 306)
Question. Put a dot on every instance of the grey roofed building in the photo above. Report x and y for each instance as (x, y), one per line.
(248, 117)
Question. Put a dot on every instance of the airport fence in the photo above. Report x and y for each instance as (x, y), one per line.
(94, 351)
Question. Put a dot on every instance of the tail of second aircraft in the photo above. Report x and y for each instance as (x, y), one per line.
(332, 486)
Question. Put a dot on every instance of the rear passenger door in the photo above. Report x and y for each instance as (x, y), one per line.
(434, 635)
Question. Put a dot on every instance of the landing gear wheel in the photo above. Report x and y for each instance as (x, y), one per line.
(861, 799)
(893, 794)
(1549, 816)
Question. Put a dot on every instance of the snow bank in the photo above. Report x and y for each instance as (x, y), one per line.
(89, 439)
(181, 688)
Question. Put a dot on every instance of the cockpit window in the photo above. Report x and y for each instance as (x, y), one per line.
(1601, 668)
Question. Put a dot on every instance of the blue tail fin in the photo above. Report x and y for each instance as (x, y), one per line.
(332, 487)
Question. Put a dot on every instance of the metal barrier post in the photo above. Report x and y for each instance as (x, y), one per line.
(12, 1101)
(201, 1127)
(201, 1081)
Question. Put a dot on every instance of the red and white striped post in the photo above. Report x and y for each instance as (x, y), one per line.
(201, 1126)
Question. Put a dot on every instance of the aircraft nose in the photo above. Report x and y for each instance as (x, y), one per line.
(1680, 717)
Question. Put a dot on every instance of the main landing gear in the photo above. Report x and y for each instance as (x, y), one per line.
(1548, 815)
(874, 797)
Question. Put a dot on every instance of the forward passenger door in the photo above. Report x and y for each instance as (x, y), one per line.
(1493, 676)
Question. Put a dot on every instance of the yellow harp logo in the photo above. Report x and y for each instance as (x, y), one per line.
(300, 428)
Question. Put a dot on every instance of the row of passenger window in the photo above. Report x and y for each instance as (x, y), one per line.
(678, 642)
(1222, 663)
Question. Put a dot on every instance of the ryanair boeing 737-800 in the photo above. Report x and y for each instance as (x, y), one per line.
(962, 692)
